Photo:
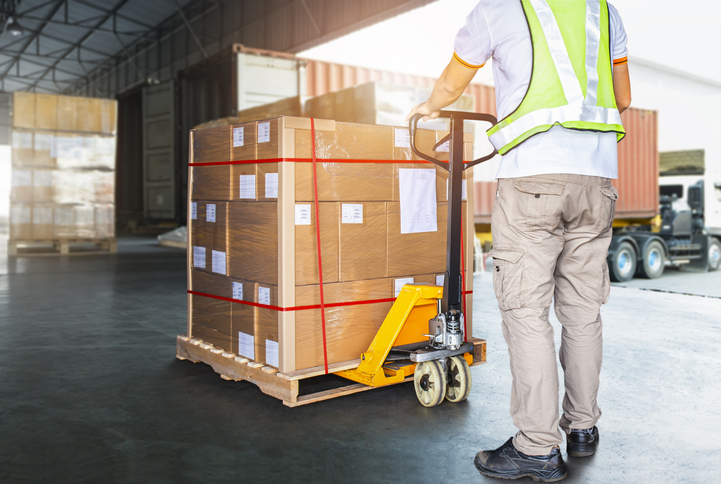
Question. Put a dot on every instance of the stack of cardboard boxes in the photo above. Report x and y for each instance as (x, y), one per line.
(253, 253)
(63, 168)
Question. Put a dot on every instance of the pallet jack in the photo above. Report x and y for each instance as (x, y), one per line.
(424, 331)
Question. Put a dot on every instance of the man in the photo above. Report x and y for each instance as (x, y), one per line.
(561, 82)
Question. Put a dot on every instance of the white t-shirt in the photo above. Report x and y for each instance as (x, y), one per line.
(498, 29)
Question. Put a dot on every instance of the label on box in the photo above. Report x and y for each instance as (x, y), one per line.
(43, 141)
(238, 136)
(69, 147)
(445, 147)
(218, 262)
(246, 345)
(20, 214)
(54, 147)
(43, 178)
(22, 178)
(463, 190)
(247, 187)
(193, 210)
(403, 138)
(238, 291)
(271, 185)
(263, 132)
(399, 283)
(439, 279)
(302, 213)
(22, 141)
(264, 295)
(417, 187)
(271, 353)
(63, 216)
(199, 257)
(352, 213)
(210, 212)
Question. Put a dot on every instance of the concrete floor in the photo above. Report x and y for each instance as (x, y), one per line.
(91, 391)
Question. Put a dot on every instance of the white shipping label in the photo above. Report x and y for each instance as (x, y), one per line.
(246, 345)
(302, 213)
(238, 136)
(22, 141)
(439, 279)
(43, 215)
(264, 295)
(43, 178)
(247, 187)
(199, 257)
(271, 185)
(218, 262)
(22, 178)
(238, 291)
(210, 212)
(64, 216)
(417, 188)
(71, 148)
(193, 210)
(352, 213)
(43, 141)
(263, 132)
(403, 138)
(54, 147)
(271, 353)
(463, 190)
(20, 214)
(399, 283)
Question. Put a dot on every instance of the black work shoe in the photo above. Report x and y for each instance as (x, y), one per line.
(582, 442)
(508, 463)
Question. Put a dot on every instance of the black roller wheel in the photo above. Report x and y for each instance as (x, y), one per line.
(714, 255)
(654, 259)
(623, 263)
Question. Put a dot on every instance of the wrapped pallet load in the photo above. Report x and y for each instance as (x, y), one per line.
(274, 201)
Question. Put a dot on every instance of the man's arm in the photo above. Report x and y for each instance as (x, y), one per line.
(453, 81)
(621, 87)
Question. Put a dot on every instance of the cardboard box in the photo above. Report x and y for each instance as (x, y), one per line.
(321, 106)
(242, 318)
(22, 190)
(67, 113)
(210, 233)
(363, 253)
(266, 325)
(415, 253)
(306, 244)
(212, 145)
(23, 109)
(46, 111)
(256, 257)
(21, 221)
(43, 221)
(211, 182)
(211, 317)
(243, 141)
(22, 147)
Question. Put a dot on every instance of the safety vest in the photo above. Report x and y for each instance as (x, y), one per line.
(572, 78)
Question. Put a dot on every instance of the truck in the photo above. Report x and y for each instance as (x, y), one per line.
(687, 230)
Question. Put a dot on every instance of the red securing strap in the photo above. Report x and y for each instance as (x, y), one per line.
(317, 236)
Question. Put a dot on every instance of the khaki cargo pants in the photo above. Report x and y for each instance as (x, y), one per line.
(550, 241)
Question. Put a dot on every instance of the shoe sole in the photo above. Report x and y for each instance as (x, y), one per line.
(532, 476)
(580, 454)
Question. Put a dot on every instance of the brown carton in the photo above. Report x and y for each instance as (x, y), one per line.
(363, 252)
(44, 185)
(243, 141)
(64, 221)
(349, 329)
(266, 325)
(321, 106)
(43, 153)
(67, 113)
(242, 318)
(211, 182)
(306, 245)
(108, 116)
(416, 253)
(253, 236)
(43, 221)
(22, 190)
(22, 147)
(345, 105)
(21, 221)
(244, 182)
(267, 139)
(46, 111)
(211, 317)
(23, 109)
(89, 114)
(211, 145)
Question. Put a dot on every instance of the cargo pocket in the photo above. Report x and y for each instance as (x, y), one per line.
(608, 211)
(541, 201)
(507, 274)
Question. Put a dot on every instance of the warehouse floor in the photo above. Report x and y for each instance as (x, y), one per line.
(91, 391)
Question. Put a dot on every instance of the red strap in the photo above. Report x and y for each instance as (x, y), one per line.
(305, 160)
(293, 308)
(317, 236)
(463, 281)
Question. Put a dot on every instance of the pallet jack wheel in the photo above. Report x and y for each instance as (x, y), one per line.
(429, 381)
(459, 379)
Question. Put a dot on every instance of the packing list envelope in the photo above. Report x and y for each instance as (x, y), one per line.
(417, 188)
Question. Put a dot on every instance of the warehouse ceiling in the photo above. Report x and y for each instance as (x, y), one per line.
(57, 45)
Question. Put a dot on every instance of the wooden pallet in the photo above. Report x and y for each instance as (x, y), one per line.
(25, 247)
(283, 386)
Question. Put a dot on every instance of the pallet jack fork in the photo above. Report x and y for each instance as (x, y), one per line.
(423, 333)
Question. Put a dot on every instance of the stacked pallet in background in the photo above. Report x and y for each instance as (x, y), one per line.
(253, 257)
(63, 171)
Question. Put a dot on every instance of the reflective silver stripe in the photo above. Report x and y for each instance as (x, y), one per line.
(571, 86)
(562, 114)
(593, 44)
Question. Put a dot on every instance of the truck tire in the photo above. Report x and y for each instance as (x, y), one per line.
(623, 263)
(714, 255)
(654, 259)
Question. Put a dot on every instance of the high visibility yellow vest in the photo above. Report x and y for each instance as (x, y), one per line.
(572, 77)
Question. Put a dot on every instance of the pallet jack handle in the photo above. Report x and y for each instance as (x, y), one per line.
(453, 280)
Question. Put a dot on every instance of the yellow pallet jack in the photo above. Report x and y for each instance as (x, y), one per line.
(424, 333)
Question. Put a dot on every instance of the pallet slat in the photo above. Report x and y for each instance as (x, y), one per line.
(38, 247)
